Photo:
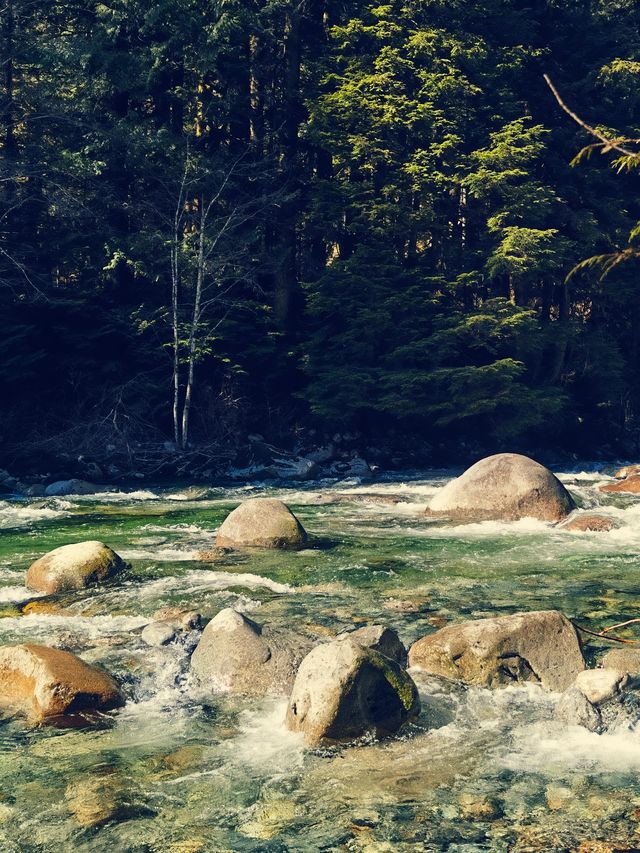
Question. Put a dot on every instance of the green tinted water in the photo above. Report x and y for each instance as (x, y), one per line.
(182, 772)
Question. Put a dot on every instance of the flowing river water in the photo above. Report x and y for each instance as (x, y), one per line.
(480, 771)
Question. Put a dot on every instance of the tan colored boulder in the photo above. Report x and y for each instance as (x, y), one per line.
(630, 485)
(344, 690)
(51, 684)
(588, 524)
(627, 471)
(261, 523)
(541, 646)
(236, 654)
(96, 801)
(505, 487)
(624, 660)
(74, 566)
(380, 639)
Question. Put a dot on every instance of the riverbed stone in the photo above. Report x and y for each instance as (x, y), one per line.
(630, 485)
(507, 486)
(261, 523)
(96, 801)
(74, 566)
(344, 690)
(50, 684)
(380, 639)
(627, 471)
(623, 660)
(237, 655)
(600, 685)
(541, 646)
(588, 523)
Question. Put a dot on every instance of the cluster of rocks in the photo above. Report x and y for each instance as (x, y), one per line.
(358, 683)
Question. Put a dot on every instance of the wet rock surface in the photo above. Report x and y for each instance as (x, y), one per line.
(344, 690)
(541, 646)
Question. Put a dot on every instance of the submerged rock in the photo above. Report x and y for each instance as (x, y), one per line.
(74, 566)
(97, 800)
(50, 684)
(588, 523)
(630, 485)
(261, 523)
(380, 639)
(238, 655)
(541, 646)
(62, 488)
(506, 487)
(344, 690)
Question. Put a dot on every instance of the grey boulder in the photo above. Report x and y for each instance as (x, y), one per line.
(345, 690)
(507, 487)
(237, 655)
(261, 523)
(541, 646)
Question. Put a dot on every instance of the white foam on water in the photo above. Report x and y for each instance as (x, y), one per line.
(264, 743)
(198, 580)
(161, 555)
(91, 627)
(22, 515)
(18, 594)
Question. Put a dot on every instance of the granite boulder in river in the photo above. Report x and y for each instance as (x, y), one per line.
(236, 654)
(504, 487)
(261, 523)
(344, 690)
(74, 566)
(51, 684)
(540, 646)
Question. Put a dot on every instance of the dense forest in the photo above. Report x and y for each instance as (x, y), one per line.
(303, 217)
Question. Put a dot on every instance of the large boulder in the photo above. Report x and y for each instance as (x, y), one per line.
(261, 523)
(344, 690)
(541, 646)
(73, 487)
(507, 487)
(74, 566)
(52, 685)
(236, 654)
(380, 639)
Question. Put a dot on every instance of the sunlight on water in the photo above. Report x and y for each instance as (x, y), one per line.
(480, 770)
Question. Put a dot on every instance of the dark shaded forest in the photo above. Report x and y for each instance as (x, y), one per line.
(220, 218)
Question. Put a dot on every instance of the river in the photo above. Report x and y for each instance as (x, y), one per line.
(479, 771)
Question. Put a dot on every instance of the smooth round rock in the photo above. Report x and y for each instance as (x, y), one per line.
(51, 684)
(74, 566)
(504, 487)
(261, 523)
(600, 685)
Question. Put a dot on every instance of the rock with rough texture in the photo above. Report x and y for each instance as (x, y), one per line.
(51, 685)
(261, 523)
(587, 523)
(627, 471)
(506, 487)
(344, 690)
(541, 646)
(96, 801)
(73, 487)
(74, 566)
(380, 639)
(624, 660)
(599, 700)
(171, 623)
(630, 485)
(237, 655)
